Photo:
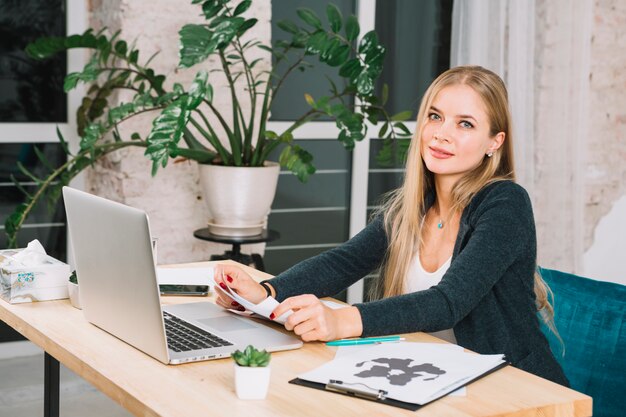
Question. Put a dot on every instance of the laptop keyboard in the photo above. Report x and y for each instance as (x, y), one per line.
(183, 336)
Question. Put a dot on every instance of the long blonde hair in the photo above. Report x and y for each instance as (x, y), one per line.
(405, 207)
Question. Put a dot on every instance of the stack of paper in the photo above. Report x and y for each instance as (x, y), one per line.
(415, 373)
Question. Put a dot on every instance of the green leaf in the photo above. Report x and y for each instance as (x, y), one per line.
(368, 43)
(225, 32)
(89, 73)
(211, 8)
(383, 130)
(322, 104)
(197, 91)
(71, 80)
(121, 47)
(298, 161)
(288, 26)
(385, 94)
(404, 131)
(329, 49)
(352, 28)
(351, 69)
(167, 130)
(196, 44)
(242, 7)
(93, 132)
(47, 46)
(63, 142)
(364, 84)
(334, 17)
(133, 57)
(402, 116)
(338, 55)
(316, 43)
(246, 25)
(286, 137)
(310, 17)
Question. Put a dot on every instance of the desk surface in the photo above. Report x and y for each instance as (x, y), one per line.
(146, 387)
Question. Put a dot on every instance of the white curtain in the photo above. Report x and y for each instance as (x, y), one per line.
(500, 35)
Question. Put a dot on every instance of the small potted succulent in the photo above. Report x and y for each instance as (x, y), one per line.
(252, 373)
(72, 289)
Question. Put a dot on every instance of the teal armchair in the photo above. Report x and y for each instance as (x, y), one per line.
(591, 319)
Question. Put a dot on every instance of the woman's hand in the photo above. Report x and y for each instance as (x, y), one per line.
(238, 281)
(312, 320)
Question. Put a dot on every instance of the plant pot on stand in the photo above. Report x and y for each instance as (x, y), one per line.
(238, 198)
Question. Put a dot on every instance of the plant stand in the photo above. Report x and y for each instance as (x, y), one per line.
(235, 254)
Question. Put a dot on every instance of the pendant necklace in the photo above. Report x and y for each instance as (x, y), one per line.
(441, 223)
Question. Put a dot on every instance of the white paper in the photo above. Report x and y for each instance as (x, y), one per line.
(185, 276)
(412, 372)
(263, 309)
(344, 351)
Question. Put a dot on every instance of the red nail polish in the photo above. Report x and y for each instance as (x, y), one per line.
(223, 285)
(229, 278)
(234, 304)
(241, 308)
(272, 316)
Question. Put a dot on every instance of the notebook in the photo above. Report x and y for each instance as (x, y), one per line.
(119, 290)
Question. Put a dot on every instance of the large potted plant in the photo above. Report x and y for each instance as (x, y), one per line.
(188, 125)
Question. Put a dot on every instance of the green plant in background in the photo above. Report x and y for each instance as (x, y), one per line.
(73, 277)
(182, 126)
(251, 357)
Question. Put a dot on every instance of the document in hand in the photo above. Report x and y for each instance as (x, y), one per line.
(413, 373)
(263, 309)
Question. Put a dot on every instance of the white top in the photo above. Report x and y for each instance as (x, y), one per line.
(417, 279)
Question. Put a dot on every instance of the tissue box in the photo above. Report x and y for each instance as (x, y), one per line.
(20, 284)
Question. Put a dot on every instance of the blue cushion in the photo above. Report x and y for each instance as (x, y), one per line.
(590, 317)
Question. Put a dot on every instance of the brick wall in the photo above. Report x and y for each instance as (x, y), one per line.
(580, 136)
(172, 199)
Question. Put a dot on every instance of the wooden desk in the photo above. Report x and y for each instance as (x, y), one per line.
(146, 387)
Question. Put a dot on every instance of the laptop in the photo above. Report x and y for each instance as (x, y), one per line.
(119, 291)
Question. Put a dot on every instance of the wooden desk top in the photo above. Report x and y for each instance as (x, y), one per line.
(146, 387)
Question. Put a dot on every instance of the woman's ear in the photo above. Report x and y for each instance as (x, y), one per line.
(497, 141)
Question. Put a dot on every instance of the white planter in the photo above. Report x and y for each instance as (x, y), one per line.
(238, 198)
(72, 289)
(251, 383)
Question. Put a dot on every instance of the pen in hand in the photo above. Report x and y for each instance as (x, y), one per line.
(364, 341)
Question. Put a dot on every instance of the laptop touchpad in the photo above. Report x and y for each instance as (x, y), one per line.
(227, 324)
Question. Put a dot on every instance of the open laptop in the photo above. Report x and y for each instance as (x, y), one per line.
(119, 290)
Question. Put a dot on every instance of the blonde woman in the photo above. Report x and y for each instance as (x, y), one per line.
(455, 245)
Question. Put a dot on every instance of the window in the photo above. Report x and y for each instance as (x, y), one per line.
(336, 204)
(32, 106)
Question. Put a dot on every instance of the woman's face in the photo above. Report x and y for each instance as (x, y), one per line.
(455, 138)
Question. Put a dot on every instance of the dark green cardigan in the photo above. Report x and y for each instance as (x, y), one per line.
(486, 295)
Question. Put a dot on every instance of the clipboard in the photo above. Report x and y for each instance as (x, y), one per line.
(379, 396)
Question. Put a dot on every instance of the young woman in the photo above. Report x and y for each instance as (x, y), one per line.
(455, 245)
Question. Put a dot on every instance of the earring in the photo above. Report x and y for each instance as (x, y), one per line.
(489, 154)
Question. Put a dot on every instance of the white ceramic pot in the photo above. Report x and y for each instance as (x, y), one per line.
(72, 289)
(238, 198)
(252, 383)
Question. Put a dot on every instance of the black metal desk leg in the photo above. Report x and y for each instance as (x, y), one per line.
(51, 386)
